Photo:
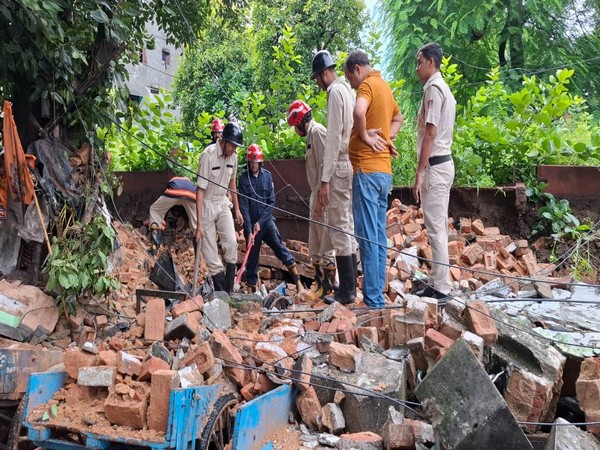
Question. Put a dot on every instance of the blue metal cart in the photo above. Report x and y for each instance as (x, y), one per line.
(199, 418)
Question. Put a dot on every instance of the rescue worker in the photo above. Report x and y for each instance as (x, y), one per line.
(216, 129)
(320, 248)
(217, 168)
(256, 203)
(180, 191)
(335, 192)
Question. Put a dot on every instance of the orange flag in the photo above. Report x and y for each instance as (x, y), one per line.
(20, 183)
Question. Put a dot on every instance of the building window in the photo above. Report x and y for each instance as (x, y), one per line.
(166, 58)
(143, 59)
(154, 90)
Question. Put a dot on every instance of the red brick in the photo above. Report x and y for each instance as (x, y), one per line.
(107, 358)
(128, 364)
(426, 253)
(477, 227)
(489, 260)
(312, 325)
(472, 254)
(202, 356)
(101, 321)
(456, 273)
(263, 384)
(481, 322)
(309, 408)
(187, 306)
(369, 332)
(505, 263)
(398, 241)
(161, 385)
(530, 263)
(155, 320)
(590, 369)
(126, 411)
(465, 225)
(435, 339)
(528, 396)
(302, 372)
(491, 231)
(225, 350)
(248, 392)
(324, 327)
(75, 358)
(333, 326)
(412, 229)
(351, 440)
(398, 436)
(150, 366)
(345, 357)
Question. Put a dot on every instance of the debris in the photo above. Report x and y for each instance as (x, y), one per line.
(465, 407)
(569, 437)
(217, 315)
(97, 376)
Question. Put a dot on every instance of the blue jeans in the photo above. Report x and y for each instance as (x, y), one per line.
(269, 234)
(369, 205)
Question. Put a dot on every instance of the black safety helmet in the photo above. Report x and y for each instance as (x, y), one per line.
(321, 61)
(233, 134)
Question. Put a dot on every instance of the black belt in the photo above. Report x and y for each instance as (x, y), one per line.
(435, 160)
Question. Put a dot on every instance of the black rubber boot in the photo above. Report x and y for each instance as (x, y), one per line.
(293, 270)
(355, 267)
(229, 277)
(329, 279)
(346, 293)
(218, 280)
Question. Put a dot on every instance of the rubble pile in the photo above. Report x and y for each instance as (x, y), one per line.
(488, 253)
(415, 374)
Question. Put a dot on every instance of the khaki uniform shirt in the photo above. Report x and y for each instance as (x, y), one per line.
(438, 108)
(340, 109)
(215, 171)
(315, 148)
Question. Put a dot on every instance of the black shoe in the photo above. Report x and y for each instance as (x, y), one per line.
(432, 293)
(346, 294)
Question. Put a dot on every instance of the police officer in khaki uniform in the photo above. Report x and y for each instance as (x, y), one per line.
(320, 248)
(435, 170)
(336, 181)
(217, 169)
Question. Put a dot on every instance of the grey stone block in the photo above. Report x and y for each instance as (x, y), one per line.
(361, 411)
(98, 376)
(464, 406)
(569, 437)
(217, 315)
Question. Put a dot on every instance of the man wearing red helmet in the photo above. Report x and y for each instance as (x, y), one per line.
(257, 198)
(216, 129)
(320, 248)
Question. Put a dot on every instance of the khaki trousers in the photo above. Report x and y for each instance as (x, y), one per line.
(339, 211)
(320, 247)
(217, 221)
(159, 209)
(435, 195)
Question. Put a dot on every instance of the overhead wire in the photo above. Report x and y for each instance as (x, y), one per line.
(320, 223)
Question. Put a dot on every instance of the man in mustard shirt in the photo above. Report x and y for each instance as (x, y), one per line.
(377, 119)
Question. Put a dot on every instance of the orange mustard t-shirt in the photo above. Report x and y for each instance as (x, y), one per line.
(382, 107)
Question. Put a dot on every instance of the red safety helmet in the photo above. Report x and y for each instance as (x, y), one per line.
(254, 154)
(296, 113)
(217, 125)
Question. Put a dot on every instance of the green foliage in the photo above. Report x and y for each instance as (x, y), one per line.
(145, 136)
(557, 217)
(520, 36)
(58, 54)
(79, 264)
(502, 135)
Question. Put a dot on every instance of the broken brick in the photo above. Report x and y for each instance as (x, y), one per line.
(202, 356)
(150, 366)
(481, 322)
(161, 385)
(126, 411)
(74, 359)
(345, 357)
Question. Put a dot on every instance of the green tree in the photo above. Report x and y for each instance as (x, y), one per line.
(520, 36)
(63, 58)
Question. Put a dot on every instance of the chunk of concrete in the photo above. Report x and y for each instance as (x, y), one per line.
(362, 409)
(522, 350)
(183, 326)
(332, 418)
(569, 437)
(464, 406)
(217, 315)
(97, 376)
(365, 440)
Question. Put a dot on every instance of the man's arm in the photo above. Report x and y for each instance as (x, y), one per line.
(426, 147)
(234, 198)
(199, 199)
(397, 122)
(244, 202)
(369, 137)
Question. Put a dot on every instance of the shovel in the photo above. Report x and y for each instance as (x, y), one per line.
(236, 285)
(196, 266)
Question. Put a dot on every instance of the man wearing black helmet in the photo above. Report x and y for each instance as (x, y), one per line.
(217, 170)
(335, 193)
